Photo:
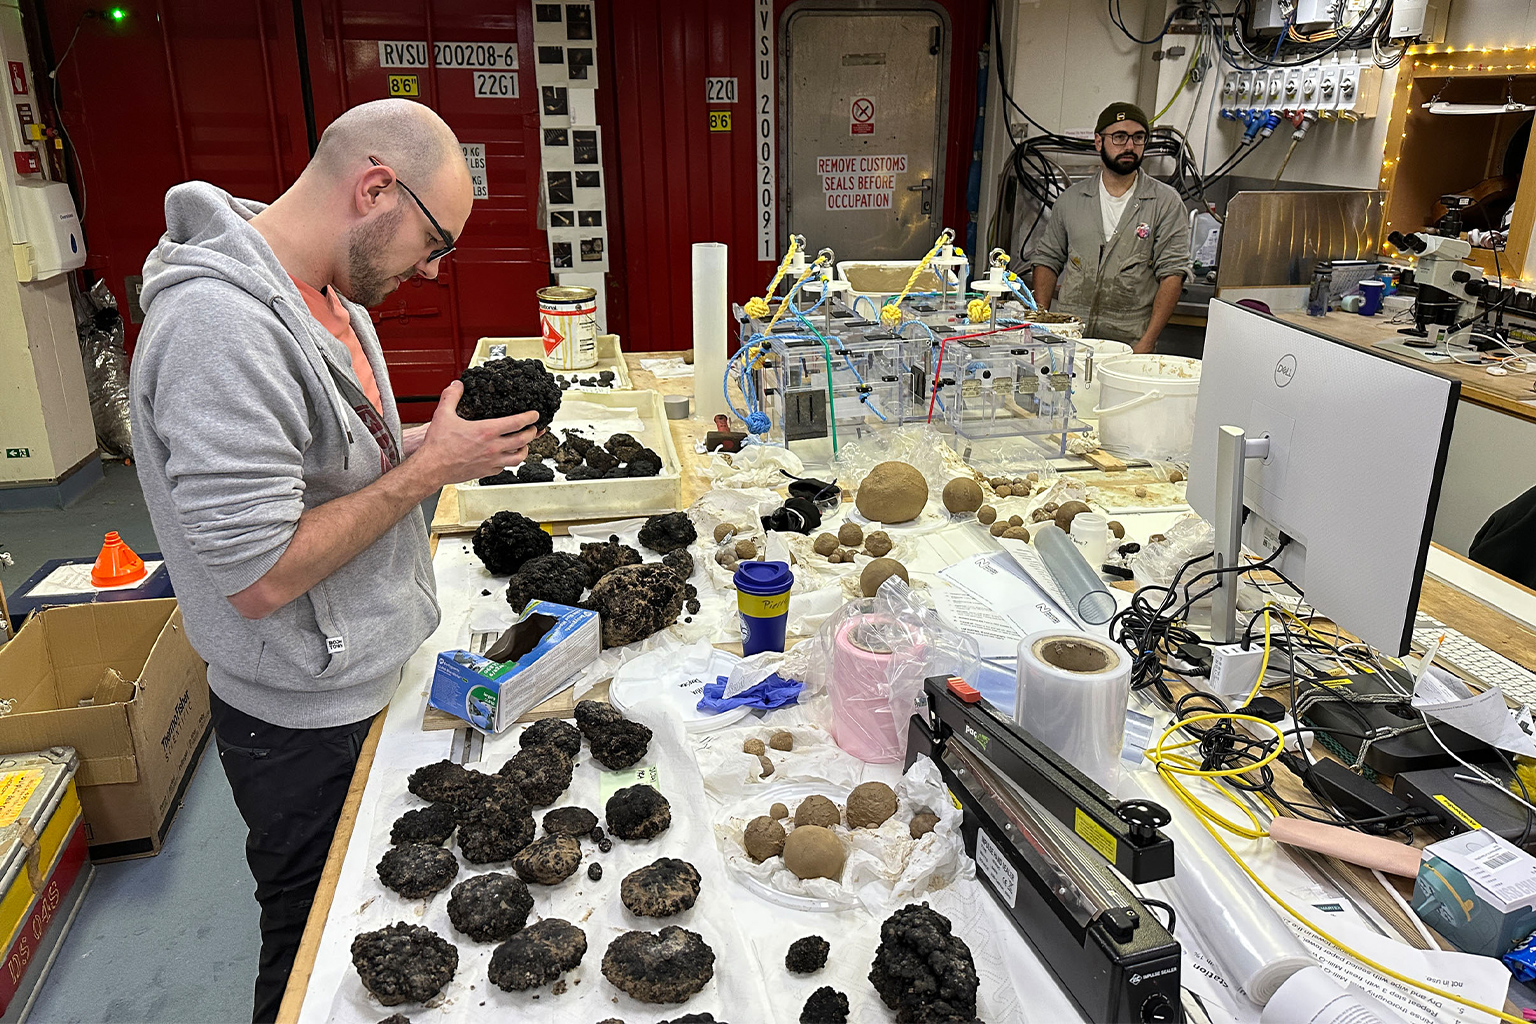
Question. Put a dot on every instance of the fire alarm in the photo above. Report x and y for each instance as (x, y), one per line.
(27, 162)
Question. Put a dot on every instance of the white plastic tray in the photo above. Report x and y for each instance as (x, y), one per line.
(610, 356)
(567, 500)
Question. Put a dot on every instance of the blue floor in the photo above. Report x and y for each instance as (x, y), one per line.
(165, 939)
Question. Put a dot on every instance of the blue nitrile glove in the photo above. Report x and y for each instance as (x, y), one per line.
(773, 692)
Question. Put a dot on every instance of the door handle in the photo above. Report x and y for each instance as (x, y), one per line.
(926, 188)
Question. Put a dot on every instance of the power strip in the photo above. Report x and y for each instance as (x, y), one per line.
(1234, 669)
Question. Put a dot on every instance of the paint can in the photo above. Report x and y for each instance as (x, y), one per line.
(568, 321)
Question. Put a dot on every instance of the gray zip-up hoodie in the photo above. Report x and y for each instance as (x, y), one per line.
(241, 424)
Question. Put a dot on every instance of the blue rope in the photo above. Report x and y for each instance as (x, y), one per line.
(919, 323)
(873, 309)
(1026, 296)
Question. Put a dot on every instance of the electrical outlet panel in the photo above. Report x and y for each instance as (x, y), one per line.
(1274, 99)
(1359, 89)
(1309, 80)
(1290, 97)
(1328, 88)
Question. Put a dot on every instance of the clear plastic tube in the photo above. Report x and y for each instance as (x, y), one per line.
(1084, 589)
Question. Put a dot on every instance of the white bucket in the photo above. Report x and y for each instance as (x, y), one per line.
(568, 321)
(1146, 405)
(1085, 375)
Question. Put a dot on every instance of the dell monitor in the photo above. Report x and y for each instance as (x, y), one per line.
(1337, 448)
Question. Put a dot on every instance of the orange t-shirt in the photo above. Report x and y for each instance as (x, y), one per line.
(327, 308)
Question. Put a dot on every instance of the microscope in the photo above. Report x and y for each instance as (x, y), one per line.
(1448, 286)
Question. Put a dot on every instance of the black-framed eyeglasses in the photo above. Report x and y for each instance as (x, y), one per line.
(448, 242)
(1121, 138)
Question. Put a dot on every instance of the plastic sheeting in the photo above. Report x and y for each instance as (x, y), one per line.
(100, 328)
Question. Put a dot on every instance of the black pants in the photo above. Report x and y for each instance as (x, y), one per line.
(289, 785)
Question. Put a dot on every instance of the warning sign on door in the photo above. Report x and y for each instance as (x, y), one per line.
(859, 182)
(861, 116)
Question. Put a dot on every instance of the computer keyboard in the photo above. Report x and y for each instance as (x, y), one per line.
(1474, 662)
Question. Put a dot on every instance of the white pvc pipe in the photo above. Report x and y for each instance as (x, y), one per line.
(711, 305)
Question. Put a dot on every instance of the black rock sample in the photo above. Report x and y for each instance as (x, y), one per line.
(577, 443)
(490, 907)
(605, 556)
(570, 821)
(694, 1018)
(623, 446)
(417, 870)
(921, 970)
(432, 824)
(825, 1006)
(559, 577)
(670, 531)
(552, 732)
(637, 601)
(692, 606)
(807, 955)
(662, 888)
(506, 387)
(396, 1018)
(644, 463)
(585, 472)
(541, 773)
(568, 459)
(548, 861)
(542, 447)
(537, 955)
(506, 476)
(616, 742)
(595, 871)
(532, 471)
(668, 966)
(497, 825)
(638, 812)
(600, 459)
(446, 782)
(507, 540)
(680, 562)
(404, 963)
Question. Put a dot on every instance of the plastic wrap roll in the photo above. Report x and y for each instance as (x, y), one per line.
(711, 309)
(1072, 694)
(1236, 925)
(1072, 573)
(860, 687)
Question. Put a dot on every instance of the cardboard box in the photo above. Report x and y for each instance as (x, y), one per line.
(1478, 890)
(5, 617)
(120, 683)
(531, 662)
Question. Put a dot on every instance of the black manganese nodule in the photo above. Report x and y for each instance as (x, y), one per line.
(616, 742)
(559, 578)
(638, 812)
(432, 824)
(417, 870)
(637, 601)
(404, 963)
(667, 532)
(552, 732)
(508, 539)
(807, 955)
(921, 970)
(490, 907)
(506, 387)
(668, 966)
(541, 773)
(497, 825)
(537, 955)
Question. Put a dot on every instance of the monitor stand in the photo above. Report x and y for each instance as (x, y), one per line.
(1233, 449)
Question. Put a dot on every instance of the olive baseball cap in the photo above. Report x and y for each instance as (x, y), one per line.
(1117, 112)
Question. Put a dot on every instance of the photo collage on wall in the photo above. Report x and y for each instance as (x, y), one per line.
(565, 69)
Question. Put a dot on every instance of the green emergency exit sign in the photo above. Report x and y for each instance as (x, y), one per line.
(18, 453)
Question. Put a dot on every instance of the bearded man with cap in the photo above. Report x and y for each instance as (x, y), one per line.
(1115, 250)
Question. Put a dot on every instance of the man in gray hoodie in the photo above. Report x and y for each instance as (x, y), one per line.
(282, 489)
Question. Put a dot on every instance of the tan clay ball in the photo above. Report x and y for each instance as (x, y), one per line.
(817, 810)
(763, 838)
(878, 543)
(870, 804)
(986, 515)
(814, 852)
(850, 535)
(893, 492)
(877, 572)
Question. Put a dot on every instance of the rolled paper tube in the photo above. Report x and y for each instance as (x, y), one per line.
(1366, 851)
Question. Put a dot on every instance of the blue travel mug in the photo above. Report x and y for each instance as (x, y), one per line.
(762, 598)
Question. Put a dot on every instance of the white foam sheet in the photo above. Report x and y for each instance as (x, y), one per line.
(363, 904)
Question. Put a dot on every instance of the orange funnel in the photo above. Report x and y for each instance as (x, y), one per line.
(117, 564)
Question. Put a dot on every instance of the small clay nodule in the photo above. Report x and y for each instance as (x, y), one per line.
(1016, 533)
(1015, 520)
(998, 528)
(986, 515)
(570, 821)
(506, 387)
(668, 966)
(877, 572)
(826, 544)
(754, 746)
(921, 970)
(542, 774)
(552, 732)
(432, 824)
(417, 870)
(807, 955)
(723, 531)
(782, 740)
(850, 535)
(548, 861)
(826, 1006)
(1141, 492)
(922, 823)
(1117, 528)
(1067, 512)
(660, 889)
(846, 555)
(497, 825)
(811, 851)
(638, 812)
(763, 838)
(745, 550)
(1040, 515)
(667, 532)
(537, 955)
(878, 543)
(817, 810)
(508, 539)
(616, 742)
(404, 963)
(893, 492)
(767, 766)
(636, 601)
(870, 804)
(778, 812)
(1004, 491)
(490, 907)
(1175, 475)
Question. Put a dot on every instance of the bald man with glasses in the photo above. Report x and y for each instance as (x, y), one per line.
(283, 491)
(1115, 250)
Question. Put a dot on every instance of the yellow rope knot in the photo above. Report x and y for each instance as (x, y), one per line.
(978, 311)
(757, 308)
